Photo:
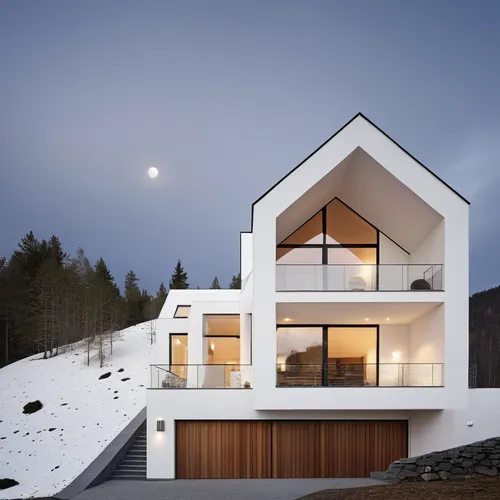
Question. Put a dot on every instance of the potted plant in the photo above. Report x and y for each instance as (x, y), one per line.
(247, 385)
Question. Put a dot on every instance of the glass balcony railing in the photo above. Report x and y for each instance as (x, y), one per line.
(360, 375)
(359, 277)
(227, 376)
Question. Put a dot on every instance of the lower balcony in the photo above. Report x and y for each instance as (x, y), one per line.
(360, 375)
(200, 376)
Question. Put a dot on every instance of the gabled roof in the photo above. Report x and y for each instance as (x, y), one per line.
(336, 133)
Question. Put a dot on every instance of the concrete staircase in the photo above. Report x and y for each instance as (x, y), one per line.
(133, 465)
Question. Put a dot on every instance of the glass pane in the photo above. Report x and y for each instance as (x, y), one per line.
(179, 354)
(222, 324)
(182, 312)
(299, 356)
(298, 255)
(222, 350)
(310, 233)
(349, 255)
(352, 356)
(343, 226)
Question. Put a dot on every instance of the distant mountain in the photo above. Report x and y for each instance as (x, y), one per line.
(484, 337)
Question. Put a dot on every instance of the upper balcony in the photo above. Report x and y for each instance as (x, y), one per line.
(359, 277)
(338, 250)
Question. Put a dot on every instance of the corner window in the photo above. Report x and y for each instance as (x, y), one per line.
(182, 312)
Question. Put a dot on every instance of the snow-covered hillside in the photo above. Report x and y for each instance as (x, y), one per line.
(81, 415)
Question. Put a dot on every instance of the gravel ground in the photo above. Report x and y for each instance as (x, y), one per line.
(465, 489)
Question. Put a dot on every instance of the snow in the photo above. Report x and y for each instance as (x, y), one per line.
(43, 461)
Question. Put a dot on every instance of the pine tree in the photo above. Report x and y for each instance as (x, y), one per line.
(178, 281)
(101, 269)
(215, 284)
(235, 282)
(161, 296)
(133, 299)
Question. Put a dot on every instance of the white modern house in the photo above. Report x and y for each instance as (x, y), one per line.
(346, 347)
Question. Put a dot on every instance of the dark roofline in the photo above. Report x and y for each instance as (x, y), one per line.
(340, 130)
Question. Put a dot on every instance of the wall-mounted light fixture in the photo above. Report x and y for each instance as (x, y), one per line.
(396, 354)
(160, 426)
(470, 423)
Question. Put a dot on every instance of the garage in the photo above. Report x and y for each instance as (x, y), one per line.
(246, 449)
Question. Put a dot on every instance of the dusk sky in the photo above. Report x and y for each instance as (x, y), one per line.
(224, 98)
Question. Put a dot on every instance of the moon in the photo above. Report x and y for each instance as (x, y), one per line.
(153, 172)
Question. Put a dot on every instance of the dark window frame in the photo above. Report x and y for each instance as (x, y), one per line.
(170, 335)
(324, 345)
(325, 246)
(177, 308)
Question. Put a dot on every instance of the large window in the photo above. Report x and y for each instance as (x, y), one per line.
(327, 355)
(336, 235)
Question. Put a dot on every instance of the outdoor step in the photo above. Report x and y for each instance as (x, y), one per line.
(137, 454)
(131, 466)
(134, 473)
(134, 460)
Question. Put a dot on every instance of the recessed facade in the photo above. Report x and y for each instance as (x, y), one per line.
(351, 326)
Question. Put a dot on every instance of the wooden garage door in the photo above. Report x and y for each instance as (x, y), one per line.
(287, 449)
(223, 450)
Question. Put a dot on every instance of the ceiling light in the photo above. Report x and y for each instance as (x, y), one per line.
(177, 341)
(396, 354)
(367, 319)
(287, 319)
(388, 319)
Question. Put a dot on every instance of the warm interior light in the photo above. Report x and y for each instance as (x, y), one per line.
(388, 319)
(396, 355)
(287, 319)
(367, 319)
(177, 341)
(212, 346)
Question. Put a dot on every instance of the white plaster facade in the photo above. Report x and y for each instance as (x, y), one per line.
(422, 347)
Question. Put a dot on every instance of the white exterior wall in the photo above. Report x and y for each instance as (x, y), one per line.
(447, 326)
(428, 431)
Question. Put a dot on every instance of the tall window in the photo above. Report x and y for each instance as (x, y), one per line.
(335, 235)
(222, 339)
(179, 354)
(222, 351)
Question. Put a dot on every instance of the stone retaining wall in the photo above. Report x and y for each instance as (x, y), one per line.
(480, 458)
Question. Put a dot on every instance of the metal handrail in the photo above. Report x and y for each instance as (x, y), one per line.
(201, 376)
(360, 374)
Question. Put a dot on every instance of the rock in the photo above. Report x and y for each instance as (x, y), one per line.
(479, 457)
(121, 370)
(426, 461)
(445, 466)
(105, 375)
(485, 471)
(486, 462)
(430, 477)
(474, 449)
(444, 474)
(52, 429)
(467, 464)
(7, 482)
(125, 379)
(457, 470)
(437, 457)
(408, 473)
(427, 468)
(32, 407)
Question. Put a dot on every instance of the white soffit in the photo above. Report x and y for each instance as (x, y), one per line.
(351, 313)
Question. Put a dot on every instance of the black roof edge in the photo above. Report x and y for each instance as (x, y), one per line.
(336, 133)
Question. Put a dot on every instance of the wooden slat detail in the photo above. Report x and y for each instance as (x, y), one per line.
(287, 449)
(223, 449)
(297, 449)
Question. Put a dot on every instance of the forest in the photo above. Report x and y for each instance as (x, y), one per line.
(50, 300)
